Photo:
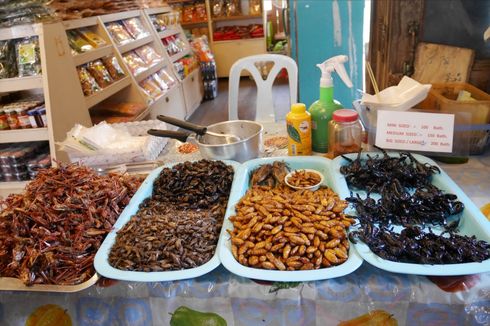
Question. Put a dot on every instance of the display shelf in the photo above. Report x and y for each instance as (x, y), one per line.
(135, 44)
(23, 135)
(92, 55)
(79, 23)
(107, 92)
(20, 83)
(168, 32)
(240, 40)
(19, 31)
(120, 16)
(150, 71)
(203, 22)
(180, 55)
(231, 18)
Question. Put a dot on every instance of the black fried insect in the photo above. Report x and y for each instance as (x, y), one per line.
(412, 245)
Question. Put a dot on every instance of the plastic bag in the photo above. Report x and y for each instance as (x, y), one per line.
(166, 77)
(160, 82)
(118, 33)
(77, 42)
(150, 87)
(135, 28)
(135, 63)
(100, 73)
(89, 85)
(8, 64)
(113, 67)
(91, 37)
(28, 58)
(148, 54)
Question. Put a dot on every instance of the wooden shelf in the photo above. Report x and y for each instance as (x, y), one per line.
(168, 32)
(79, 23)
(151, 70)
(241, 40)
(23, 135)
(19, 31)
(107, 92)
(95, 54)
(135, 44)
(20, 83)
(179, 55)
(157, 11)
(241, 17)
(204, 22)
(120, 16)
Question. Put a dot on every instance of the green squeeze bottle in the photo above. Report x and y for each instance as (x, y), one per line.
(321, 111)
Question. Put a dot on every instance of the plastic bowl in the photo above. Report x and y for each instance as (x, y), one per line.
(312, 188)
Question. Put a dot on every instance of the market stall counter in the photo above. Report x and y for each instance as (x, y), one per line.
(368, 294)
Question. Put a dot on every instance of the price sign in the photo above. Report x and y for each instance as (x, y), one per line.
(415, 131)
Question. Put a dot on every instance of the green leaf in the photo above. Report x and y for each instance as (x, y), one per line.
(294, 134)
(276, 286)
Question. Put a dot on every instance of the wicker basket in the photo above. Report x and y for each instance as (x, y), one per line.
(152, 148)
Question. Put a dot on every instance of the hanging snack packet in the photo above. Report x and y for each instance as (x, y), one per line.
(77, 42)
(148, 54)
(89, 85)
(118, 33)
(28, 58)
(135, 63)
(135, 28)
(92, 38)
(100, 73)
(8, 66)
(113, 67)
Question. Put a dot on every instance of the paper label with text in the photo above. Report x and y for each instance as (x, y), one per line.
(415, 131)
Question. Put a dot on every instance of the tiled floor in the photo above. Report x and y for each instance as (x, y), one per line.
(216, 110)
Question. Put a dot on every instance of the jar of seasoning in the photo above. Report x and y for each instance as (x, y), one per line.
(23, 118)
(42, 112)
(12, 119)
(344, 133)
(3, 120)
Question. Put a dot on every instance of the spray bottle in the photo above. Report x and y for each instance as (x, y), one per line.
(321, 111)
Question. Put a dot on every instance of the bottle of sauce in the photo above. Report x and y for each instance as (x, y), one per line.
(299, 130)
(345, 133)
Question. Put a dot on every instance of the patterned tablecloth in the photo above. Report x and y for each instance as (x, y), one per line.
(411, 300)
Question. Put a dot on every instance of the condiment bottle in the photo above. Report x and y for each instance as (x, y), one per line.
(23, 118)
(299, 130)
(12, 119)
(3, 120)
(345, 133)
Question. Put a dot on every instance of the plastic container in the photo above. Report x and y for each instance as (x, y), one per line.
(12, 119)
(345, 133)
(23, 118)
(3, 120)
(472, 222)
(101, 261)
(240, 187)
(299, 130)
(443, 97)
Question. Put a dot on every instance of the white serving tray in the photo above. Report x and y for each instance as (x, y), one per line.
(472, 223)
(101, 261)
(240, 187)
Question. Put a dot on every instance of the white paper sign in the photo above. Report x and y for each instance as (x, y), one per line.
(415, 131)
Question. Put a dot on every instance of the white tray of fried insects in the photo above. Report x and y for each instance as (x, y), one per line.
(276, 233)
(170, 228)
(415, 219)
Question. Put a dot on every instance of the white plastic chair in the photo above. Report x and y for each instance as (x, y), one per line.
(264, 105)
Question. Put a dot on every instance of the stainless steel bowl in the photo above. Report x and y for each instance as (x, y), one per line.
(250, 133)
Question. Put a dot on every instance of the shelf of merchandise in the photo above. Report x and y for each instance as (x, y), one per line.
(180, 55)
(135, 44)
(185, 24)
(92, 55)
(21, 83)
(168, 32)
(23, 135)
(150, 71)
(107, 92)
(251, 39)
(185, 94)
(239, 17)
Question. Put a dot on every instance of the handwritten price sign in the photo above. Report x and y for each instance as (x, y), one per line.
(414, 131)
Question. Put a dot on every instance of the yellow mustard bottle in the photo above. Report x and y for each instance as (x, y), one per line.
(299, 130)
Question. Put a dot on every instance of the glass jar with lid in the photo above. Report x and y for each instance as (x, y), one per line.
(344, 133)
